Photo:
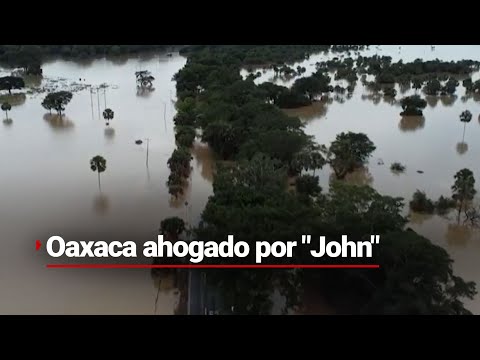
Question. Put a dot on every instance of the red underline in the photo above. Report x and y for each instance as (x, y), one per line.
(200, 266)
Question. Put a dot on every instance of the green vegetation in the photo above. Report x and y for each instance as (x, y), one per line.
(185, 136)
(6, 107)
(307, 187)
(11, 82)
(144, 78)
(444, 204)
(348, 152)
(57, 101)
(413, 105)
(421, 203)
(465, 118)
(463, 190)
(387, 72)
(98, 164)
(108, 115)
(241, 121)
(179, 165)
(258, 54)
(172, 227)
(397, 167)
(18, 55)
(250, 201)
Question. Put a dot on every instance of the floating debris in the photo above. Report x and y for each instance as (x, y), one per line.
(420, 171)
(138, 142)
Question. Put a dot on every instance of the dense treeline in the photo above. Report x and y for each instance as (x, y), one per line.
(25, 55)
(267, 54)
(241, 121)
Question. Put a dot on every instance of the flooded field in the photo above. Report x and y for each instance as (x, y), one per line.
(47, 187)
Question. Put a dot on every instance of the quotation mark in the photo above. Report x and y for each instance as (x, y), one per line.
(306, 239)
(375, 239)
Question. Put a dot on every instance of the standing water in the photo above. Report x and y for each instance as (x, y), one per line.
(47, 187)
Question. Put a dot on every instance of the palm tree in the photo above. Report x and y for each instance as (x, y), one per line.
(172, 227)
(6, 107)
(464, 188)
(98, 164)
(465, 117)
(144, 78)
(108, 115)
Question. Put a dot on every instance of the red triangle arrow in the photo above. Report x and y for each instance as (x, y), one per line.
(37, 244)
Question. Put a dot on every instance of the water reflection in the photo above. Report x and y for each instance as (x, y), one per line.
(375, 97)
(101, 203)
(109, 133)
(458, 234)
(404, 87)
(13, 99)
(432, 101)
(448, 100)
(411, 123)
(418, 218)
(165, 282)
(118, 59)
(145, 91)
(360, 177)
(475, 96)
(315, 111)
(339, 98)
(179, 201)
(390, 100)
(33, 80)
(58, 122)
(462, 148)
(203, 156)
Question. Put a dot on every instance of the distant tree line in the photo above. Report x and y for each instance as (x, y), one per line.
(30, 57)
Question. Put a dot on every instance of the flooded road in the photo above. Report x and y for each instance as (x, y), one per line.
(47, 187)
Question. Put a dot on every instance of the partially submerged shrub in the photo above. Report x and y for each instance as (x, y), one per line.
(397, 167)
(421, 203)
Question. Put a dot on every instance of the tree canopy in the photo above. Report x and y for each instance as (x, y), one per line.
(57, 101)
(11, 82)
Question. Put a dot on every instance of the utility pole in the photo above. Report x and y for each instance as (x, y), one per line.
(147, 140)
(105, 95)
(165, 115)
(98, 102)
(91, 100)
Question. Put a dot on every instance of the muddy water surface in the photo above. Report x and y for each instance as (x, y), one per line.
(47, 186)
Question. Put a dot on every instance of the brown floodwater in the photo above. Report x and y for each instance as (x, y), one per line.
(47, 187)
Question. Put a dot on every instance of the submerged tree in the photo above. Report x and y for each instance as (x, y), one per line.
(6, 107)
(172, 227)
(144, 78)
(98, 164)
(11, 82)
(29, 59)
(463, 189)
(413, 106)
(108, 115)
(48, 104)
(57, 101)
(349, 151)
(465, 117)
(416, 278)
